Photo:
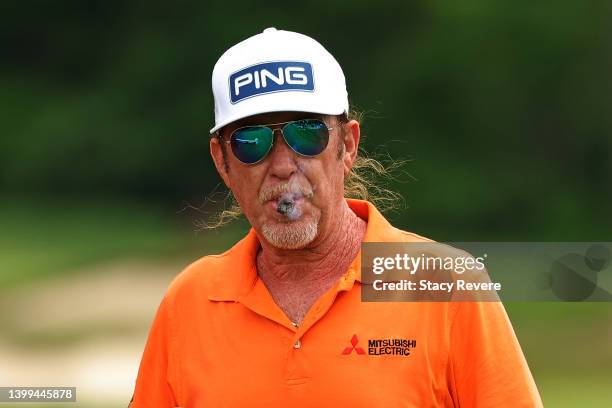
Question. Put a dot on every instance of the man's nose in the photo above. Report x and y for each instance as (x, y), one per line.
(282, 160)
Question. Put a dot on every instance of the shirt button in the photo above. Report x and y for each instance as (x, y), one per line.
(298, 344)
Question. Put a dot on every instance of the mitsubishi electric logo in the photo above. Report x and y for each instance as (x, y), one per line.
(354, 346)
(381, 347)
(270, 77)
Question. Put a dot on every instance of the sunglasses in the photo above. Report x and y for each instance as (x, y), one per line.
(306, 137)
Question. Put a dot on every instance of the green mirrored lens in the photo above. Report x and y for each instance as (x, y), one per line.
(251, 144)
(307, 137)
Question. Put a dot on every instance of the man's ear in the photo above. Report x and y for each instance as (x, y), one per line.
(218, 156)
(352, 133)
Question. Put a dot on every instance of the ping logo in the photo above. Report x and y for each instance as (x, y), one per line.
(271, 77)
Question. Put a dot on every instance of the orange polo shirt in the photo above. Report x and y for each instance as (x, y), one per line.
(220, 340)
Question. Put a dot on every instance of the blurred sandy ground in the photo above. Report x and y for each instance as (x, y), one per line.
(86, 330)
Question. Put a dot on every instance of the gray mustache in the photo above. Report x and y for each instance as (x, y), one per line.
(294, 189)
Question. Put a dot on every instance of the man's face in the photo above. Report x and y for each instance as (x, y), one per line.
(312, 186)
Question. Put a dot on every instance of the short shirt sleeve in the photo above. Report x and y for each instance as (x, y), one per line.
(487, 367)
(153, 387)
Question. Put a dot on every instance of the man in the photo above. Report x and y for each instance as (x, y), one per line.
(277, 320)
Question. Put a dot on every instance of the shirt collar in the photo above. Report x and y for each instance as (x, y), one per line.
(235, 270)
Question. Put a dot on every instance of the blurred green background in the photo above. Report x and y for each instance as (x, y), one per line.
(502, 107)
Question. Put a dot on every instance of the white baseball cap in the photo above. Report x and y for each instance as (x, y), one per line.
(277, 71)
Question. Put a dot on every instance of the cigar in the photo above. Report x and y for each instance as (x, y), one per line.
(285, 206)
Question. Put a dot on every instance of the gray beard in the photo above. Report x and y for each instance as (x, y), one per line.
(293, 235)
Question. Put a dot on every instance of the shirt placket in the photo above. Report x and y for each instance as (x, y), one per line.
(260, 301)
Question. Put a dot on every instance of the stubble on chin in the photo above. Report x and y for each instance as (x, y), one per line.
(291, 235)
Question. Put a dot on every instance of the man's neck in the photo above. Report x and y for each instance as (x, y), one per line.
(297, 278)
(339, 245)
